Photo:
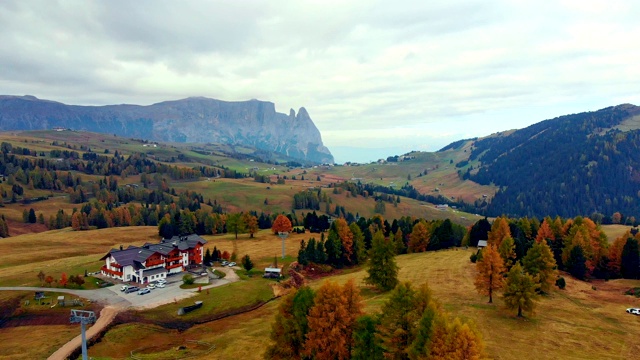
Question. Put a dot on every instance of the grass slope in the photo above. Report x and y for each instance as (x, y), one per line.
(575, 323)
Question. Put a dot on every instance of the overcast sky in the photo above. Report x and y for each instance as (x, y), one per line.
(389, 75)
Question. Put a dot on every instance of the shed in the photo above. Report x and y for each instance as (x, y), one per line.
(272, 272)
(482, 244)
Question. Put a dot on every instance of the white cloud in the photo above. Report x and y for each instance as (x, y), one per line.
(367, 71)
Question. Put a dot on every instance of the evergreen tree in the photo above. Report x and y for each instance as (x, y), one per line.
(32, 216)
(359, 250)
(382, 271)
(398, 240)
(367, 345)
(398, 321)
(247, 263)
(576, 263)
(302, 254)
(520, 290)
(630, 259)
(507, 251)
(539, 262)
(288, 332)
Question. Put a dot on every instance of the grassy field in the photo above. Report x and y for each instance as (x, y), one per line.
(615, 231)
(576, 323)
(63, 250)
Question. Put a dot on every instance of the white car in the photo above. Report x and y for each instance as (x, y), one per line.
(143, 291)
(232, 264)
(151, 286)
(634, 311)
(161, 285)
(161, 281)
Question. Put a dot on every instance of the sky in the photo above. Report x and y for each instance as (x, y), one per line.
(378, 78)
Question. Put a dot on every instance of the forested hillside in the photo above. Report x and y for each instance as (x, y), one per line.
(572, 165)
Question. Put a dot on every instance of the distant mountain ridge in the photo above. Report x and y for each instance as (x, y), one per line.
(572, 165)
(195, 120)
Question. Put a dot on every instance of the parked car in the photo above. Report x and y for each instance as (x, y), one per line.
(151, 286)
(144, 291)
(124, 287)
(161, 281)
(232, 264)
(161, 285)
(131, 289)
(634, 311)
(224, 263)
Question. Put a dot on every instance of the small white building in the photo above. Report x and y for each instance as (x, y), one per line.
(482, 244)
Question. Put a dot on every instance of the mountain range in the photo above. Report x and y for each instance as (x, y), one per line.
(195, 120)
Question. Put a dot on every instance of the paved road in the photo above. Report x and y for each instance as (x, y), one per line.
(115, 301)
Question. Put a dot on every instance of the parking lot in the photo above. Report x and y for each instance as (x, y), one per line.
(170, 293)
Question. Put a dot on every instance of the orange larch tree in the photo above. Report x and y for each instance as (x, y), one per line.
(615, 254)
(490, 272)
(545, 232)
(330, 323)
(419, 237)
(63, 280)
(499, 231)
(251, 223)
(346, 237)
(281, 224)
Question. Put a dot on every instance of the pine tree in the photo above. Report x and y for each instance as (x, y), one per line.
(32, 216)
(490, 272)
(367, 345)
(520, 290)
(630, 259)
(359, 249)
(539, 262)
(398, 321)
(382, 270)
(577, 263)
(398, 240)
(247, 263)
(346, 238)
(289, 331)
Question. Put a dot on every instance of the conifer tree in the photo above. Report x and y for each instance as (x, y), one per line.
(398, 240)
(367, 345)
(289, 331)
(382, 270)
(539, 262)
(419, 238)
(359, 249)
(490, 272)
(499, 231)
(398, 321)
(507, 251)
(630, 259)
(520, 290)
(331, 322)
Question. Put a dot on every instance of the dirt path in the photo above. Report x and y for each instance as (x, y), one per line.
(106, 317)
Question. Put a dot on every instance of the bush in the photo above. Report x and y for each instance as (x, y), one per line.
(561, 283)
(188, 279)
(634, 292)
(473, 258)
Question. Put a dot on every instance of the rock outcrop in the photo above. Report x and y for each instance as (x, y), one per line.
(195, 120)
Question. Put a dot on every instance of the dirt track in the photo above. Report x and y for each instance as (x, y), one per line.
(106, 317)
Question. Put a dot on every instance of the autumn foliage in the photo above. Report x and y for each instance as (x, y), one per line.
(490, 272)
(281, 224)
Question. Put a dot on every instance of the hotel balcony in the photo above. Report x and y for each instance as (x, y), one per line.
(111, 272)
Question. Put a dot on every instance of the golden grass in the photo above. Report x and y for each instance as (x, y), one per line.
(34, 342)
(615, 231)
(63, 250)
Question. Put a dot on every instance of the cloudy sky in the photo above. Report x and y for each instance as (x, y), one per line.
(377, 77)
